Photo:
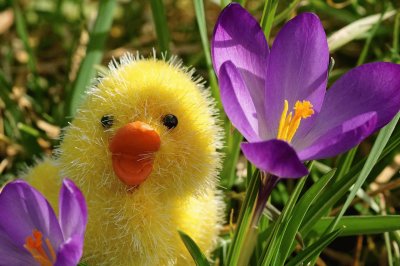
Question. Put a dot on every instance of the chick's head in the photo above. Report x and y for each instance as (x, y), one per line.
(148, 124)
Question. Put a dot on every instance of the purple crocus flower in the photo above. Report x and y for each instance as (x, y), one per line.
(30, 233)
(277, 97)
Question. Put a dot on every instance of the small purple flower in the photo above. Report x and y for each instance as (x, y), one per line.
(30, 233)
(277, 98)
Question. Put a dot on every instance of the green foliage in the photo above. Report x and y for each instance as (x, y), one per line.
(94, 53)
(52, 50)
(198, 256)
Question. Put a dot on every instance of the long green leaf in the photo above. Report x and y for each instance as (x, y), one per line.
(346, 162)
(161, 24)
(272, 250)
(355, 30)
(201, 22)
(360, 225)
(299, 212)
(94, 53)
(364, 52)
(199, 258)
(268, 16)
(23, 34)
(232, 152)
(244, 220)
(285, 13)
(339, 188)
(307, 254)
(372, 159)
(396, 34)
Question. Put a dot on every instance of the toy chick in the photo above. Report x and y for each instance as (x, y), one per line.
(144, 150)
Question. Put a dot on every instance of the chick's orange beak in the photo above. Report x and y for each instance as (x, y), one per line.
(133, 148)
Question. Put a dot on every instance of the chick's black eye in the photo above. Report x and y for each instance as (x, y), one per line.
(170, 121)
(107, 121)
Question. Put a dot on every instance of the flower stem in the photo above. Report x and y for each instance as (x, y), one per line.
(249, 230)
(268, 183)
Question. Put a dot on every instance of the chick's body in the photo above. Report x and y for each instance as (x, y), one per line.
(137, 224)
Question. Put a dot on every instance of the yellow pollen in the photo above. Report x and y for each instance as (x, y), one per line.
(289, 123)
(34, 244)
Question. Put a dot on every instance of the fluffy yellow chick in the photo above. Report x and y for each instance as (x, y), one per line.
(143, 148)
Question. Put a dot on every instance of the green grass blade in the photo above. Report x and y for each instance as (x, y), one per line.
(299, 212)
(338, 189)
(94, 54)
(224, 3)
(396, 34)
(271, 254)
(199, 258)
(343, 15)
(268, 16)
(201, 22)
(355, 30)
(364, 52)
(361, 225)
(372, 159)
(286, 13)
(161, 25)
(244, 220)
(232, 152)
(23, 34)
(346, 162)
(307, 254)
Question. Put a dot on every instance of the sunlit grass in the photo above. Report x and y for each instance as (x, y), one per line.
(51, 52)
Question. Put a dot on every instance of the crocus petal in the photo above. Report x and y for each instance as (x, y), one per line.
(70, 252)
(11, 254)
(276, 157)
(73, 212)
(237, 101)
(297, 70)
(370, 88)
(341, 138)
(239, 38)
(24, 209)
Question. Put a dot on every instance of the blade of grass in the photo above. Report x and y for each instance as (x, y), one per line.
(201, 22)
(299, 212)
(224, 3)
(285, 13)
(388, 248)
(271, 252)
(11, 106)
(396, 33)
(339, 188)
(377, 149)
(23, 34)
(307, 254)
(364, 52)
(244, 220)
(360, 225)
(199, 258)
(268, 16)
(355, 30)
(161, 25)
(94, 54)
(232, 150)
(372, 159)
(346, 162)
(341, 15)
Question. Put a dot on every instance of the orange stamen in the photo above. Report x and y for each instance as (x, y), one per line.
(289, 123)
(34, 244)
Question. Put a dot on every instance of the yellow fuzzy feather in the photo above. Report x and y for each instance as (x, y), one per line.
(138, 226)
